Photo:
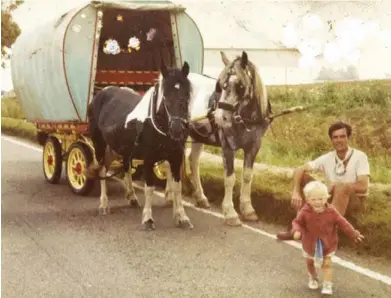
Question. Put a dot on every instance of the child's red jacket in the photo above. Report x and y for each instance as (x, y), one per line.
(312, 225)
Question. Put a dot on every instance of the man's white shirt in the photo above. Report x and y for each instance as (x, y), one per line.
(358, 165)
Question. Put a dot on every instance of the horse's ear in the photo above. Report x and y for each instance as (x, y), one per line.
(185, 69)
(224, 58)
(163, 68)
(244, 60)
(218, 88)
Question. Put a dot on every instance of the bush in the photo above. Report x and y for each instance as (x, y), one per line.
(10, 108)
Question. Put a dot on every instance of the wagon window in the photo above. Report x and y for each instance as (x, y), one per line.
(139, 38)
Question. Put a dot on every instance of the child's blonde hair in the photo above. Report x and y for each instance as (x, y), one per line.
(316, 189)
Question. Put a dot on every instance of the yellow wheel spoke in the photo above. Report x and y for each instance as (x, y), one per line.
(49, 160)
(76, 165)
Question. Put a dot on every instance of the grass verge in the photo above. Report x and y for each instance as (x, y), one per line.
(19, 127)
(271, 201)
(299, 137)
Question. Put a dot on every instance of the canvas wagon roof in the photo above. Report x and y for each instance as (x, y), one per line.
(139, 5)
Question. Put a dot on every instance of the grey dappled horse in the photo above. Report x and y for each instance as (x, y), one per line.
(239, 115)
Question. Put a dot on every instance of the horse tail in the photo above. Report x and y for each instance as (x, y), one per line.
(93, 110)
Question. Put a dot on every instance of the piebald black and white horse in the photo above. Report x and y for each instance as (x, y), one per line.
(152, 127)
(239, 114)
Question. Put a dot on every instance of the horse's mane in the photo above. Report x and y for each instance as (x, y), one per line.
(259, 89)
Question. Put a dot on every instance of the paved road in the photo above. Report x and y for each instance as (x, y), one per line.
(54, 244)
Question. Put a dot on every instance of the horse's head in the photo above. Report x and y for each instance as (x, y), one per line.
(175, 93)
(238, 84)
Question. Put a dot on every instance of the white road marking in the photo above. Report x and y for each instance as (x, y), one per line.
(24, 144)
(344, 263)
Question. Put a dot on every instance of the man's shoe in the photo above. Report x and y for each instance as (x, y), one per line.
(285, 235)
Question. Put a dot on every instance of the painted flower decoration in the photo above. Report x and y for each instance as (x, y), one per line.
(112, 47)
(134, 43)
(151, 34)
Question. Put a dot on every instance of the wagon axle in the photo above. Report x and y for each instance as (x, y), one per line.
(50, 160)
(78, 168)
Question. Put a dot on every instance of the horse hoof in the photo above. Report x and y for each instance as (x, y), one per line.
(104, 210)
(134, 204)
(250, 217)
(149, 225)
(203, 204)
(185, 224)
(233, 221)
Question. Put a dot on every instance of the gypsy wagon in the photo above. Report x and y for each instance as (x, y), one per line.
(57, 69)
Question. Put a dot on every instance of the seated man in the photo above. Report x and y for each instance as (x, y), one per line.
(346, 170)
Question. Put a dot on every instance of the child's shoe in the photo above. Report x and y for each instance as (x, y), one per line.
(327, 288)
(313, 282)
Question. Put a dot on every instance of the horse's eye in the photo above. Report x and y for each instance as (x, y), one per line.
(239, 88)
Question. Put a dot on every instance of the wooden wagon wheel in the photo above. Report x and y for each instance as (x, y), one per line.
(52, 160)
(79, 158)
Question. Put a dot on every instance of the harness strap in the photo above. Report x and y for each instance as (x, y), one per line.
(226, 106)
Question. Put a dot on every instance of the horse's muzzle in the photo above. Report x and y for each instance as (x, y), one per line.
(223, 119)
(179, 129)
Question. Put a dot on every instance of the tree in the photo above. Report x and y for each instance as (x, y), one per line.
(350, 73)
(9, 28)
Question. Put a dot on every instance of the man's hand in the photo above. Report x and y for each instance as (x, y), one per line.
(296, 235)
(297, 200)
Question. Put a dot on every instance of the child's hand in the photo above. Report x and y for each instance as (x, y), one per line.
(296, 235)
(359, 238)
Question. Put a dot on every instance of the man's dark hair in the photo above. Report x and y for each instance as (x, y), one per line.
(339, 125)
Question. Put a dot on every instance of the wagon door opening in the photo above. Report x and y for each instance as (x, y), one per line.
(131, 46)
